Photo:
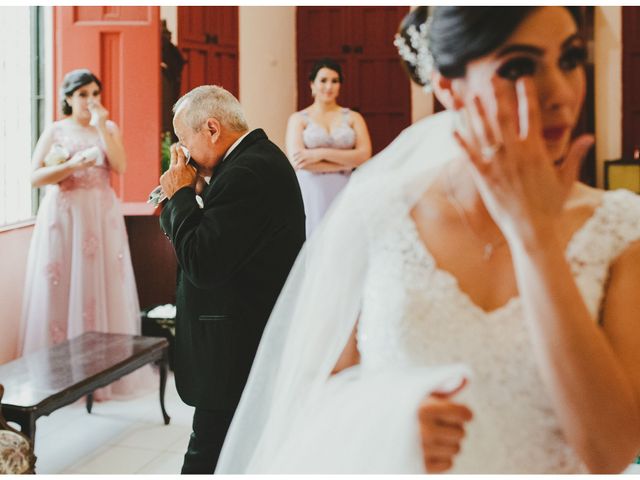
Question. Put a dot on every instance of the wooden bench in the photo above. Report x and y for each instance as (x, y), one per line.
(43, 381)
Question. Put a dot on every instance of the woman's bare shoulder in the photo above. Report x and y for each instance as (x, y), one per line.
(298, 118)
(51, 128)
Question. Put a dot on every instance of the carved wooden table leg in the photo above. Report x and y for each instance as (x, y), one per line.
(163, 365)
(89, 403)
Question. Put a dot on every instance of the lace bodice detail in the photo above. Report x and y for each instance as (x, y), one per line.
(316, 136)
(93, 177)
(413, 313)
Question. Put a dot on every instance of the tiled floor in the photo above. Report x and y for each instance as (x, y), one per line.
(117, 437)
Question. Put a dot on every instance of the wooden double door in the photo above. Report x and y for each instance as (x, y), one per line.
(360, 39)
(208, 40)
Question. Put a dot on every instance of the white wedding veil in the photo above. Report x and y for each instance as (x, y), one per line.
(320, 302)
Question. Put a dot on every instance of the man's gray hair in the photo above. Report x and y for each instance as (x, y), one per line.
(211, 101)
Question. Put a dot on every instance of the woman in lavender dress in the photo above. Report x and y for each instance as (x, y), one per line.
(325, 142)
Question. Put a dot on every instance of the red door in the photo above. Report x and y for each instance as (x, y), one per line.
(121, 45)
(361, 40)
(208, 40)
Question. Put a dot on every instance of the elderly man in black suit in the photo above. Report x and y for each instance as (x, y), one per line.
(234, 254)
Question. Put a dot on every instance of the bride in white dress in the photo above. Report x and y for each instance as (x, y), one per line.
(466, 259)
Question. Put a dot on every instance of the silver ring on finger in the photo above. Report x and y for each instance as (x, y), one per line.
(490, 151)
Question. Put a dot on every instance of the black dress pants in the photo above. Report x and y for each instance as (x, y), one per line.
(209, 429)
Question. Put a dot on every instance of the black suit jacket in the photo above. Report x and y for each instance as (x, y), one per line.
(234, 256)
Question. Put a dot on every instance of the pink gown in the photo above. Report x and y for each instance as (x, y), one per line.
(79, 276)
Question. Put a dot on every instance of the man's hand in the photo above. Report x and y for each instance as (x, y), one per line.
(442, 429)
(179, 174)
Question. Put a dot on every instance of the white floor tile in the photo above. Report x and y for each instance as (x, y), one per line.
(165, 463)
(157, 437)
(76, 441)
(71, 440)
(180, 445)
(59, 419)
(116, 460)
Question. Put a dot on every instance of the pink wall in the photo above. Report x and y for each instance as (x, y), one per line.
(14, 247)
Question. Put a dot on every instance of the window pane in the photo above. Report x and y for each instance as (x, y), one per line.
(15, 114)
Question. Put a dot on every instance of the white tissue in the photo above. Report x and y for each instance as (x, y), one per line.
(163, 311)
(91, 153)
(57, 155)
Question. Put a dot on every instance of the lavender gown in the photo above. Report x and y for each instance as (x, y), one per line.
(79, 274)
(319, 189)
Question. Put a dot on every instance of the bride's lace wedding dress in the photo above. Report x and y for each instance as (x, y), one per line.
(417, 332)
(415, 315)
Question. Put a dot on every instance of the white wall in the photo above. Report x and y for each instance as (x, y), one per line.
(51, 99)
(608, 85)
(268, 68)
(15, 114)
(170, 14)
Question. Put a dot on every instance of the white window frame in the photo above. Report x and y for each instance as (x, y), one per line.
(25, 106)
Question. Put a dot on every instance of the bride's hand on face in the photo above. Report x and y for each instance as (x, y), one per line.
(442, 428)
(522, 187)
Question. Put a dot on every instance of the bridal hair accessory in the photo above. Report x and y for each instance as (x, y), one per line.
(418, 54)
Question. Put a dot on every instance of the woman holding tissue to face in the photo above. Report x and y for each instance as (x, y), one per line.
(79, 274)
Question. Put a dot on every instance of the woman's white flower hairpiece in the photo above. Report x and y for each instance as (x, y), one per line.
(418, 54)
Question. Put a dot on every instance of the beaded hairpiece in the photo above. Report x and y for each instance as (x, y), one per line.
(417, 55)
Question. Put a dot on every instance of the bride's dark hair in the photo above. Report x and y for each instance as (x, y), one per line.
(458, 35)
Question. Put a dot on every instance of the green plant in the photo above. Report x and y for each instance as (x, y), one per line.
(165, 151)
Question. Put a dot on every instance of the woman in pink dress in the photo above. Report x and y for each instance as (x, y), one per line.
(79, 274)
(325, 142)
